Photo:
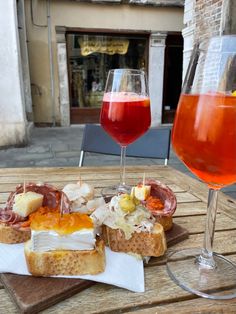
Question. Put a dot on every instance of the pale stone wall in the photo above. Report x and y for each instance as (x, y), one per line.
(188, 32)
(24, 59)
(12, 117)
(208, 15)
(203, 19)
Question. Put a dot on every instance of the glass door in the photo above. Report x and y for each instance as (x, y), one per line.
(90, 57)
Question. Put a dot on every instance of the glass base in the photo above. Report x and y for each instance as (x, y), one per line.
(212, 283)
(109, 192)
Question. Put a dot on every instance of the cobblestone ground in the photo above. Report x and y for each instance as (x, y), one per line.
(52, 147)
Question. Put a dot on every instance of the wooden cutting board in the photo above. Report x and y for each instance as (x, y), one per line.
(33, 294)
(176, 234)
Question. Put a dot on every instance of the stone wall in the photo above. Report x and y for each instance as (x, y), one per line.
(13, 121)
(205, 18)
(208, 16)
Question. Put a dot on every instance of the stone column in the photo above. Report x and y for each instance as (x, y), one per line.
(188, 32)
(63, 76)
(188, 35)
(12, 118)
(156, 75)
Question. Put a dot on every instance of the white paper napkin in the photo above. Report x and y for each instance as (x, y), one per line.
(122, 270)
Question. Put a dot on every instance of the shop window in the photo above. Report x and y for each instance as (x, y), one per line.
(90, 57)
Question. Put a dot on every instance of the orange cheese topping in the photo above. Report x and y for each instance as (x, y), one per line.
(50, 219)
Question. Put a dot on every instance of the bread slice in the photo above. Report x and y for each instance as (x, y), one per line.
(66, 262)
(165, 221)
(143, 243)
(11, 235)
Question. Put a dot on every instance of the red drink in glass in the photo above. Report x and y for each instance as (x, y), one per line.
(125, 117)
(204, 136)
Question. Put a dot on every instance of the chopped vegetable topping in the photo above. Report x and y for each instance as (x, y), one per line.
(154, 203)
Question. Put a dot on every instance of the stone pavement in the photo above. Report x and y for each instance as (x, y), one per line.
(59, 146)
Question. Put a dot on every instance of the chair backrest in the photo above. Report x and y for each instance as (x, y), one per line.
(155, 143)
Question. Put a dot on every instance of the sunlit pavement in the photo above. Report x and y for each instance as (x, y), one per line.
(59, 146)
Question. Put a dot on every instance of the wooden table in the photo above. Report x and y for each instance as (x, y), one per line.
(161, 295)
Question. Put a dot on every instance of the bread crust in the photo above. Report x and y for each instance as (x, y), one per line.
(143, 243)
(11, 235)
(165, 221)
(66, 262)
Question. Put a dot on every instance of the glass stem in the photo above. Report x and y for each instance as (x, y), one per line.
(122, 165)
(206, 258)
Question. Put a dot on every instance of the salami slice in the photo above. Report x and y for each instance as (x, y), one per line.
(165, 194)
(9, 217)
(52, 198)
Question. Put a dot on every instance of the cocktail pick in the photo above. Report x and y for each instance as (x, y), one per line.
(144, 177)
(61, 209)
(80, 179)
(24, 187)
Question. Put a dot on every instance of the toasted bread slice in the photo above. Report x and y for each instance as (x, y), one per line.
(165, 221)
(143, 243)
(66, 262)
(11, 235)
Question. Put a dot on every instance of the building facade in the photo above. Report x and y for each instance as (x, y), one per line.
(55, 55)
(73, 44)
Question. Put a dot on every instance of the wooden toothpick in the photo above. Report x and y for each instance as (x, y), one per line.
(24, 187)
(61, 210)
(143, 178)
(80, 179)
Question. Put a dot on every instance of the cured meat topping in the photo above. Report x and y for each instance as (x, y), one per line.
(166, 196)
(52, 198)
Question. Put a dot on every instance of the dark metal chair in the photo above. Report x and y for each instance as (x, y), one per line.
(155, 143)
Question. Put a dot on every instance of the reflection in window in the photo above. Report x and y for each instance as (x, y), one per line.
(90, 59)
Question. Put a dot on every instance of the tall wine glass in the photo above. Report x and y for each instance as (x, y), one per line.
(125, 113)
(204, 138)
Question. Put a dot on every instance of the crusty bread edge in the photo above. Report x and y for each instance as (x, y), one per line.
(66, 262)
(165, 221)
(10, 235)
(142, 243)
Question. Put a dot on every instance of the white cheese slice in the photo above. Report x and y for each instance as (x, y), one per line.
(75, 191)
(141, 192)
(45, 240)
(26, 203)
(89, 207)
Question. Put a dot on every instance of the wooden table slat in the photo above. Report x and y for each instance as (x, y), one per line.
(159, 289)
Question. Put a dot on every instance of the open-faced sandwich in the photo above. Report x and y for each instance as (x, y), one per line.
(158, 199)
(128, 226)
(135, 222)
(63, 245)
(26, 199)
(82, 197)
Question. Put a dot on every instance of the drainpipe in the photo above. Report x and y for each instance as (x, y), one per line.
(51, 64)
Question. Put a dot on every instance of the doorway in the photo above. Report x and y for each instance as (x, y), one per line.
(172, 76)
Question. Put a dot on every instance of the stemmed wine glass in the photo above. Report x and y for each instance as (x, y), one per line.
(204, 138)
(125, 113)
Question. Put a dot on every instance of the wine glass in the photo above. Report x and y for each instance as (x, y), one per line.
(204, 138)
(125, 114)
